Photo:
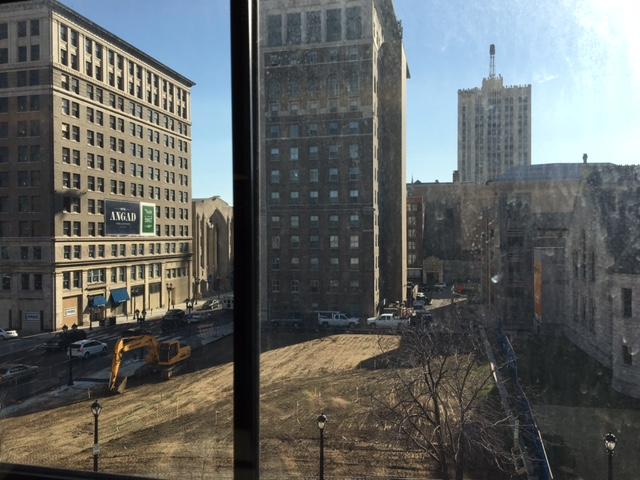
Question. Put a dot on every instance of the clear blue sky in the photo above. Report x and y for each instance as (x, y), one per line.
(581, 57)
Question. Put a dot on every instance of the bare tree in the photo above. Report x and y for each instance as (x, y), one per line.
(436, 393)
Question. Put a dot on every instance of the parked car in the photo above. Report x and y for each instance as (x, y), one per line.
(199, 316)
(387, 320)
(87, 348)
(62, 340)
(7, 334)
(173, 320)
(212, 304)
(13, 373)
(135, 332)
(293, 321)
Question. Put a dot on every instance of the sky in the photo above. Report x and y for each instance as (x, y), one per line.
(582, 59)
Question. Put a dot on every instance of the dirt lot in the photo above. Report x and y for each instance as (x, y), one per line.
(182, 429)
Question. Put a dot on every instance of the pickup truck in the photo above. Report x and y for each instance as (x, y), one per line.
(387, 320)
(291, 321)
(336, 319)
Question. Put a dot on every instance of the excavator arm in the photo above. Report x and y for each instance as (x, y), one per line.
(128, 344)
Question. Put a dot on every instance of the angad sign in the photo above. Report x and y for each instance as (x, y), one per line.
(126, 218)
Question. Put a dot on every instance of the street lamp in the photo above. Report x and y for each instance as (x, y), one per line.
(70, 382)
(96, 408)
(322, 420)
(610, 445)
(189, 304)
(170, 292)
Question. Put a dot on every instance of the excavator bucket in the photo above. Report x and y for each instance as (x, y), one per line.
(123, 385)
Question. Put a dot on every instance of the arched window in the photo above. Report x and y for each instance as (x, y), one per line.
(333, 88)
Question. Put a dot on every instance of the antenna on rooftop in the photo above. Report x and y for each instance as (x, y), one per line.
(492, 61)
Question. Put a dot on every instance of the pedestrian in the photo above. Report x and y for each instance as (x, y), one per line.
(144, 314)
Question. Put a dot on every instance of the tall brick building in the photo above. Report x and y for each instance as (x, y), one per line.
(95, 179)
(333, 102)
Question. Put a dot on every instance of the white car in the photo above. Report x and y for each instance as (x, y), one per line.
(7, 334)
(387, 320)
(88, 348)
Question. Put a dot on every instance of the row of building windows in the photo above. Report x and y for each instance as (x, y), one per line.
(289, 28)
(314, 263)
(25, 204)
(28, 281)
(23, 54)
(24, 28)
(96, 184)
(26, 228)
(312, 56)
(174, 98)
(23, 128)
(347, 82)
(331, 175)
(333, 128)
(74, 229)
(73, 280)
(23, 103)
(96, 139)
(20, 78)
(333, 241)
(74, 252)
(332, 286)
(334, 152)
(295, 199)
(24, 178)
(333, 220)
(36, 253)
(96, 116)
(295, 107)
(72, 157)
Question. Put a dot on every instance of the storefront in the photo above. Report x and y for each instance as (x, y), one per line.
(97, 305)
(71, 309)
(119, 299)
(137, 298)
(155, 299)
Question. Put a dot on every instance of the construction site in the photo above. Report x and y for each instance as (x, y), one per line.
(182, 428)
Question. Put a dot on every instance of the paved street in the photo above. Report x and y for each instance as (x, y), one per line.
(53, 366)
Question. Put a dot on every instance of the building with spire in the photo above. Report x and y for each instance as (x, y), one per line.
(494, 128)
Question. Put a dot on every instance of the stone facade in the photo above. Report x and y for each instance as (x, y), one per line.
(333, 156)
(212, 246)
(86, 118)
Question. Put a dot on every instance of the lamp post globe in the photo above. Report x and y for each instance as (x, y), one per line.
(322, 420)
(96, 408)
(610, 442)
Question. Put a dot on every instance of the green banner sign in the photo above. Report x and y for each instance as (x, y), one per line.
(148, 223)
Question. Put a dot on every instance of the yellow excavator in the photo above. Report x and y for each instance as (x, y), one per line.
(164, 357)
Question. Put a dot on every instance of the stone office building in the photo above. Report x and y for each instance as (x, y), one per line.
(95, 179)
(494, 128)
(333, 79)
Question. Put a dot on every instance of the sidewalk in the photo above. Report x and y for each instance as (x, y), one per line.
(158, 313)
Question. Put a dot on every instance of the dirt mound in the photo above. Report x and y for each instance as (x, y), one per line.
(184, 425)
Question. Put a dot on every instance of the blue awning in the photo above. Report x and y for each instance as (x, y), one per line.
(119, 295)
(98, 301)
